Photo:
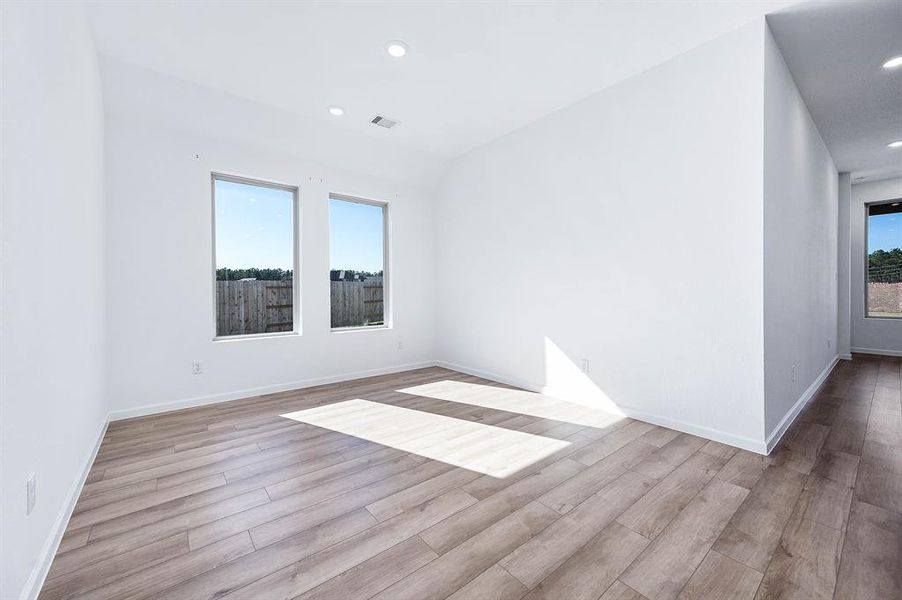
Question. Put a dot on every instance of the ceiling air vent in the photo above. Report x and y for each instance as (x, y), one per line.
(383, 122)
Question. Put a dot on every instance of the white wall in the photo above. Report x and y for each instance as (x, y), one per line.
(844, 267)
(625, 230)
(52, 291)
(800, 246)
(160, 294)
(882, 336)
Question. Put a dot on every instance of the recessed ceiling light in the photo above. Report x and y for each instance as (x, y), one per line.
(336, 111)
(892, 63)
(896, 144)
(396, 48)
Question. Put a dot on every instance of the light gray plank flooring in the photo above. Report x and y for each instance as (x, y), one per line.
(433, 484)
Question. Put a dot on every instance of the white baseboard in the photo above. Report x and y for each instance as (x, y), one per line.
(737, 441)
(877, 351)
(777, 434)
(845, 356)
(531, 387)
(150, 409)
(39, 572)
(717, 435)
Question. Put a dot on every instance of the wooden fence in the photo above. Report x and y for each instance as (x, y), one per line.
(357, 303)
(248, 307)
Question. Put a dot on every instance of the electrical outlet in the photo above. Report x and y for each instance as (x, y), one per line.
(30, 493)
(793, 376)
(196, 367)
(829, 343)
(584, 365)
(400, 345)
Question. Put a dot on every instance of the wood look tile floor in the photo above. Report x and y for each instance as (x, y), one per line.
(433, 484)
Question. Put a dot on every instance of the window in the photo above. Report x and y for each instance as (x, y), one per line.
(255, 257)
(357, 253)
(884, 242)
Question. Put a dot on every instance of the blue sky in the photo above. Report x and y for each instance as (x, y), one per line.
(253, 226)
(254, 229)
(884, 232)
(355, 236)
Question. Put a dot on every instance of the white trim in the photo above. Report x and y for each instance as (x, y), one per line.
(877, 351)
(387, 216)
(531, 387)
(296, 299)
(255, 336)
(845, 356)
(150, 409)
(738, 441)
(354, 328)
(777, 434)
(717, 435)
(39, 572)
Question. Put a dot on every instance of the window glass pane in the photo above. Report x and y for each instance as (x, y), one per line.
(356, 260)
(884, 293)
(254, 258)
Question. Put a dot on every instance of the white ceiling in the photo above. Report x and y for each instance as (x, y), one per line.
(835, 51)
(475, 71)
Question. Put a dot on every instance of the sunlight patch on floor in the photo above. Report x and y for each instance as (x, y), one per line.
(515, 401)
(486, 449)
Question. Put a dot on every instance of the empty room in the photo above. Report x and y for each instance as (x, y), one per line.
(416, 300)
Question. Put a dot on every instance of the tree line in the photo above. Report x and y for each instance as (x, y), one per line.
(227, 274)
(885, 265)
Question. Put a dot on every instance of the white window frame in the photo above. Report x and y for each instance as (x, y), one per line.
(867, 263)
(387, 317)
(296, 254)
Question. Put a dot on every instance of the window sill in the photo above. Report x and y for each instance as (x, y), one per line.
(363, 328)
(256, 336)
